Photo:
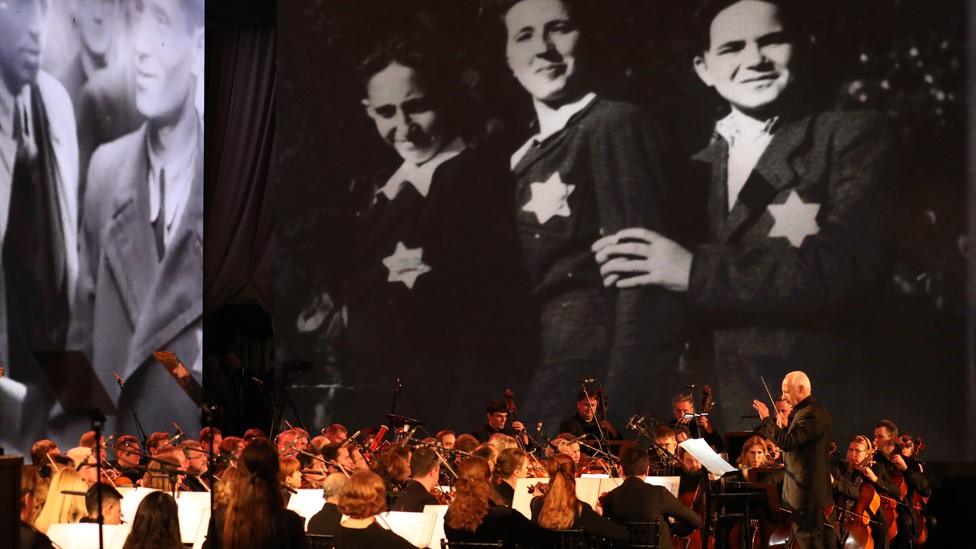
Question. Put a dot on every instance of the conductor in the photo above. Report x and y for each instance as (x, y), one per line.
(804, 437)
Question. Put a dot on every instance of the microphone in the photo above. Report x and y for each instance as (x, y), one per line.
(587, 380)
(118, 379)
(538, 427)
(352, 439)
(178, 435)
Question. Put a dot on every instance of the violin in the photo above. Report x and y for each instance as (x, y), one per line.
(538, 489)
(442, 497)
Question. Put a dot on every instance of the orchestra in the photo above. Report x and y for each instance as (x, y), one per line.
(879, 487)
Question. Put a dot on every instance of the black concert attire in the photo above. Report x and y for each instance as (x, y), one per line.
(502, 524)
(412, 498)
(326, 521)
(505, 493)
(288, 531)
(806, 487)
(909, 519)
(847, 484)
(486, 430)
(587, 520)
(373, 536)
(637, 501)
(31, 538)
(578, 426)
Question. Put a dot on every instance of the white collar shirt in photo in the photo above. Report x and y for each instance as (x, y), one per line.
(747, 139)
(551, 121)
(420, 177)
(178, 178)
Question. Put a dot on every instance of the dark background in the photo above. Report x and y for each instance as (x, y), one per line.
(905, 58)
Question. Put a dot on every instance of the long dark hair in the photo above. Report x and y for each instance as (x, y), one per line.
(156, 525)
(254, 500)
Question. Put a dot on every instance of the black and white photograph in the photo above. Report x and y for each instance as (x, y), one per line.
(102, 230)
(462, 274)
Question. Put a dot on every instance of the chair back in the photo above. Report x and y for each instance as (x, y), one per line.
(445, 544)
(573, 539)
(319, 541)
(643, 535)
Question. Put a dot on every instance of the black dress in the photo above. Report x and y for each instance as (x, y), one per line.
(502, 524)
(589, 521)
(373, 536)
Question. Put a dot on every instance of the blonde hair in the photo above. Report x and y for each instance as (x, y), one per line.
(60, 507)
(755, 440)
(560, 506)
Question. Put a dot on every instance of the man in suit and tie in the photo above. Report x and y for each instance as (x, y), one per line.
(796, 252)
(425, 469)
(38, 197)
(805, 438)
(637, 501)
(141, 288)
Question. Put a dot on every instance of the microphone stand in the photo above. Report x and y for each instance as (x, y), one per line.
(397, 389)
(97, 420)
(596, 418)
(132, 410)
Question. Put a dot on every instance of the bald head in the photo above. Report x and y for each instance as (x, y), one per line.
(796, 387)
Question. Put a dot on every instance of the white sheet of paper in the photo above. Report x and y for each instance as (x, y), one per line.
(306, 503)
(194, 515)
(711, 461)
(416, 528)
(438, 533)
(85, 536)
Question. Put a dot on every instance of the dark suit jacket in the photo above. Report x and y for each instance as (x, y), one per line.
(413, 498)
(505, 492)
(805, 443)
(587, 520)
(129, 303)
(502, 524)
(638, 501)
(774, 306)
(326, 521)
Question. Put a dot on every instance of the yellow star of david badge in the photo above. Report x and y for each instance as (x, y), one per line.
(549, 199)
(405, 265)
(794, 219)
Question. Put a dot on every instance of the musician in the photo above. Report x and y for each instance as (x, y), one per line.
(211, 434)
(425, 469)
(488, 453)
(805, 438)
(87, 440)
(693, 475)
(289, 443)
(637, 501)
(29, 536)
(336, 432)
(326, 521)
(783, 407)
(157, 441)
(496, 413)
(127, 457)
(512, 464)
(41, 449)
(585, 422)
(566, 444)
(466, 443)
(84, 461)
(446, 437)
(111, 504)
(254, 433)
(860, 467)
(915, 481)
(753, 453)
(683, 408)
(166, 471)
(501, 442)
(196, 466)
(290, 473)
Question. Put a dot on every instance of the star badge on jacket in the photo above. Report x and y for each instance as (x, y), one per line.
(406, 265)
(549, 199)
(794, 219)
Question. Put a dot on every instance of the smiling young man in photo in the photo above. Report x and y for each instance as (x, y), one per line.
(141, 287)
(796, 250)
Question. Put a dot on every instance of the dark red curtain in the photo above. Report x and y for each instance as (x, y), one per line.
(240, 137)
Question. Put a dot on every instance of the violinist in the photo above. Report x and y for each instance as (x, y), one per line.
(860, 467)
(566, 444)
(693, 475)
(211, 436)
(326, 521)
(127, 457)
(909, 477)
(166, 471)
(446, 437)
(488, 453)
(699, 426)
(585, 420)
(753, 454)
(512, 465)
(157, 441)
(336, 433)
(637, 501)
(84, 462)
(111, 504)
(290, 473)
(419, 491)
(87, 440)
(663, 458)
(41, 449)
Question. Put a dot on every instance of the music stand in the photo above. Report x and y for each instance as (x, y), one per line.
(742, 501)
